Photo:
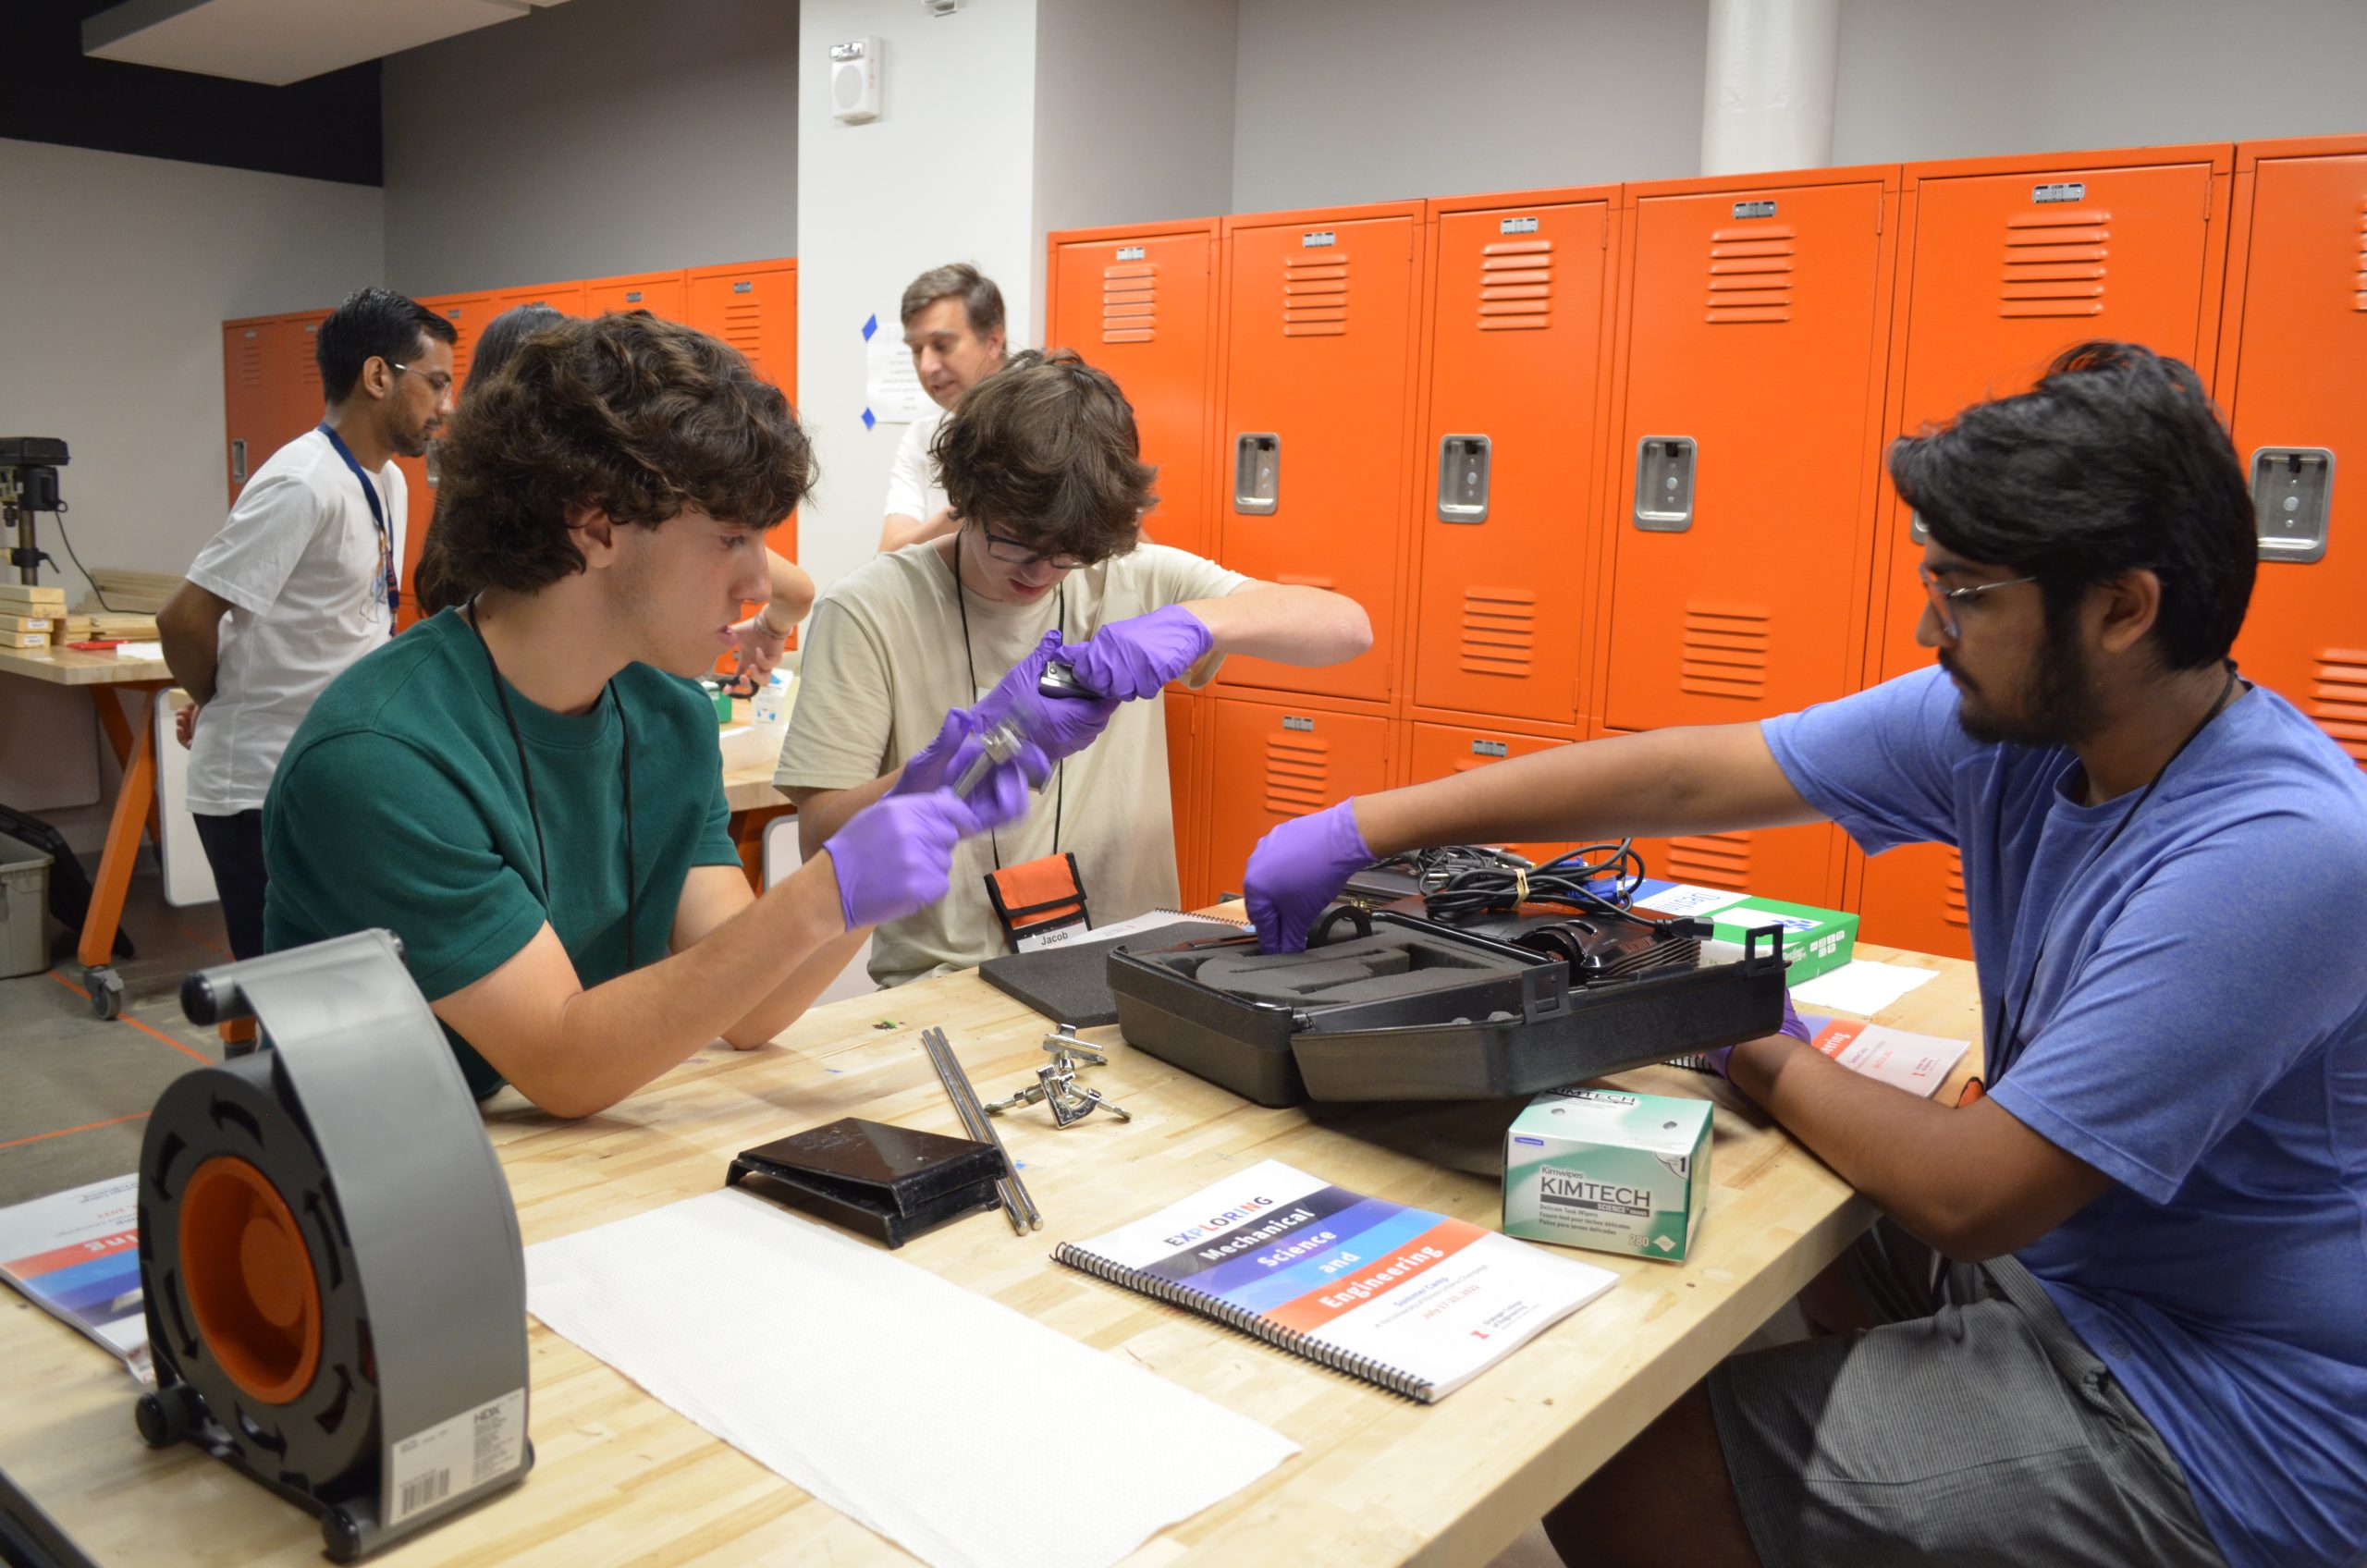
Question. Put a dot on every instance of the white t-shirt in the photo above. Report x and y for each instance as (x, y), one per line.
(914, 487)
(298, 563)
(883, 662)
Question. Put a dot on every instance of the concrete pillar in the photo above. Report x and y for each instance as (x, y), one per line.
(1767, 95)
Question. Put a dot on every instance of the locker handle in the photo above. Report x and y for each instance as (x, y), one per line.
(1256, 474)
(1464, 465)
(1665, 484)
(2292, 499)
(238, 460)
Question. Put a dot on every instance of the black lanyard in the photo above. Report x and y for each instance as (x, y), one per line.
(1060, 768)
(2008, 1046)
(542, 853)
(377, 515)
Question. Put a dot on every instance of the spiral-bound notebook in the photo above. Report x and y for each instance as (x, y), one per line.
(1413, 1301)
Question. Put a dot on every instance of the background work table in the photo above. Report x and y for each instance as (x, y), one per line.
(622, 1478)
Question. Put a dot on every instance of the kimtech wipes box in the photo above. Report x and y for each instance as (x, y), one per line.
(1617, 1172)
(1814, 939)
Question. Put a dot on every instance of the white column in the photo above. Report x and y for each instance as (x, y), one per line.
(1767, 95)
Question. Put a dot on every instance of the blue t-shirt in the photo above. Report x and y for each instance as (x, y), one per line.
(2198, 1034)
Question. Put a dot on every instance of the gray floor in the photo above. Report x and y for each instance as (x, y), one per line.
(74, 1090)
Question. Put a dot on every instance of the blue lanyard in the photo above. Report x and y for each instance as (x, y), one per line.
(378, 516)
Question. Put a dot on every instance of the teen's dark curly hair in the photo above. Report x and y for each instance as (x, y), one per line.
(1045, 450)
(638, 417)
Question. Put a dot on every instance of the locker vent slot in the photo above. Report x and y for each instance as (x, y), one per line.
(248, 361)
(743, 326)
(1952, 905)
(2055, 263)
(1726, 651)
(2338, 699)
(1498, 631)
(1516, 286)
(1129, 302)
(1315, 295)
(1297, 771)
(308, 365)
(1750, 273)
(2359, 298)
(1712, 860)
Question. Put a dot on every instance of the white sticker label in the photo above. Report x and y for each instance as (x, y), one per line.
(1690, 901)
(1318, 239)
(2065, 191)
(1754, 919)
(458, 1455)
(1130, 253)
(1517, 226)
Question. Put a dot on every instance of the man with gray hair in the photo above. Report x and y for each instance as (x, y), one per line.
(953, 327)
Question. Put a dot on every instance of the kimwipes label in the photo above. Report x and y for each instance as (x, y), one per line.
(1557, 1188)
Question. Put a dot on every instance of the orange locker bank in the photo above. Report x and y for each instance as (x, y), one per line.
(1438, 751)
(2008, 261)
(659, 293)
(468, 313)
(251, 395)
(1511, 457)
(1141, 304)
(1319, 315)
(753, 306)
(2293, 378)
(1284, 756)
(1187, 715)
(1749, 386)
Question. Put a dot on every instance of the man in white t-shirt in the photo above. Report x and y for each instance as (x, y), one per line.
(1046, 563)
(302, 580)
(953, 327)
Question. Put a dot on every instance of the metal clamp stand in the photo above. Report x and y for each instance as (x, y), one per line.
(1056, 1083)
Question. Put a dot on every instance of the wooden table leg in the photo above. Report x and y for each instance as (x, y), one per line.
(133, 798)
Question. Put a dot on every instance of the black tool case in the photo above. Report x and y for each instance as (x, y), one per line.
(1410, 1008)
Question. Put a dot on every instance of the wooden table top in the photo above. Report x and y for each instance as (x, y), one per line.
(622, 1478)
(76, 666)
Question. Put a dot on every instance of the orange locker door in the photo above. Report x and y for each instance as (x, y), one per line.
(1752, 367)
(1143, 309)
(754, 308)
(2009, 269)
(1501, 520)
(2299, 405)
(1799, 866)
(1270, 762)
(468, 313)
(250, 407)
(660, 293)
(1321, 315)
(1183, 719)
(565, 298)
(303, 402)
(1914, 898)
(1438, 751)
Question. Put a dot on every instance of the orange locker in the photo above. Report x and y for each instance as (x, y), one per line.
(468, 313)
(1799, 866)
(565, 297)
(1913, 896)
(1185, 715)
(661, 294)
(1318, 333)
(751, 306)
(1276, 759)
(1505, 503)
(1750, 359)
(2292, 378)
(1140, 303)
(302, 400)
(2008, 261)
(250, 405)
(1437, 751)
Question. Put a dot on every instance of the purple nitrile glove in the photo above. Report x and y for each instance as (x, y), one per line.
(1061, 726)
(946, 758)
(895, 856)
(1297, 870)
(1791, 1025)
(1129, 660)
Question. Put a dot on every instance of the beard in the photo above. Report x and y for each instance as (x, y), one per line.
(2057, 707)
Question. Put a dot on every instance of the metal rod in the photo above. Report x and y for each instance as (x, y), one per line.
(947, 1069)
(973, 1117)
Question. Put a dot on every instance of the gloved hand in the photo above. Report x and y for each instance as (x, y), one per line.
(896, 855)
(1297, 870)
(941, 763)
(1129, 660)
(1791, 1025)
(1062, 727)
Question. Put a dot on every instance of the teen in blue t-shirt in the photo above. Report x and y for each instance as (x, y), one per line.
(2112, 1314)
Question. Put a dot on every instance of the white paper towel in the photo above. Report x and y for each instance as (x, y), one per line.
(1863, 984)
(934, 1415)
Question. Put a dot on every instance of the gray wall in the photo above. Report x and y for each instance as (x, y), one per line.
(112, 299)
(1134, 111)
(592, 139)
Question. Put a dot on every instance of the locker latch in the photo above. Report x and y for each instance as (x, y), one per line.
(1462, 479)
(1256, 474)
(238, 460)
(1665, 484)
(1915, 529)
(2292, 496)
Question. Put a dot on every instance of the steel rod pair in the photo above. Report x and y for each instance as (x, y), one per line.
(1017, 1203)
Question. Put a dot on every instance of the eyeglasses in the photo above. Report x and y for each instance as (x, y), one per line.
(438, 381)
(1014, 551)
(1944, 600)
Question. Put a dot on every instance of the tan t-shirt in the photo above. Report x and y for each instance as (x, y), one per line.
(883, 664)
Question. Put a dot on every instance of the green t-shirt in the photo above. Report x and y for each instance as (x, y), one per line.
(399, 803)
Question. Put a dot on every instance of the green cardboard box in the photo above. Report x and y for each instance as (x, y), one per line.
(1814, 939)
(1614, 1171)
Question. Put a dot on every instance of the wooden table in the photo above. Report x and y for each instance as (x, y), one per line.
(620, 1478)
(134, 739)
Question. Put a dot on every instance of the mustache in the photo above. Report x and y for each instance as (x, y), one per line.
(1949, 666)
